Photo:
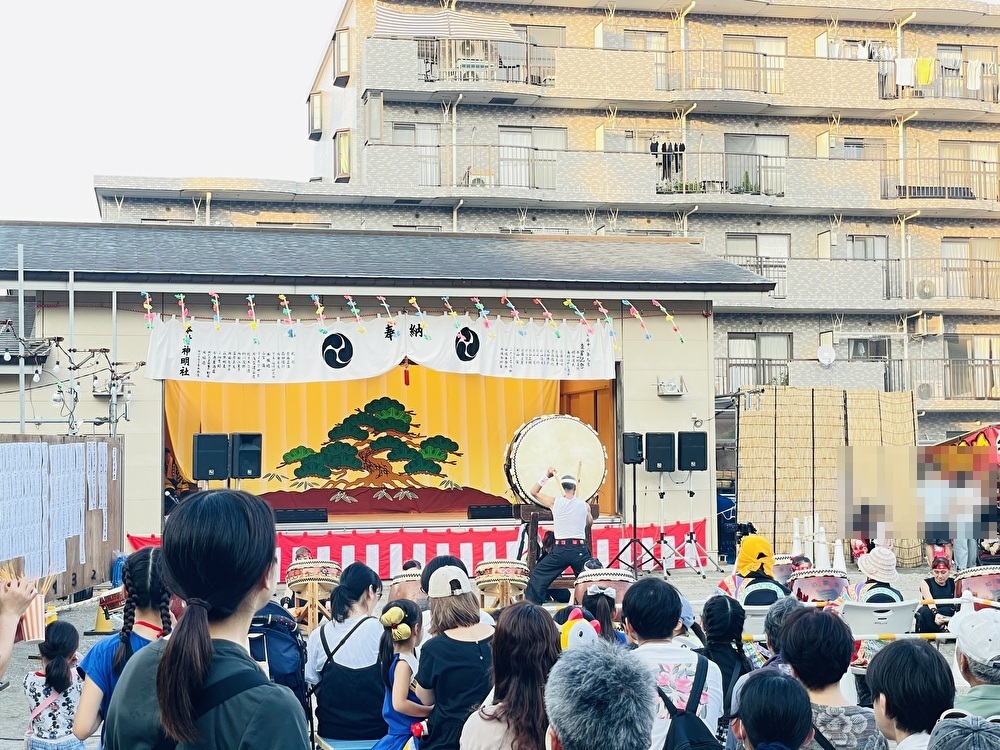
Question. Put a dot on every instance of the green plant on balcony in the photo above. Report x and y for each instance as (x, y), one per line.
(779, 379)
(747, 187)
(678, 186)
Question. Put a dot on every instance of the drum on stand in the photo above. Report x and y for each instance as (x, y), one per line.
(818, 585)
(558, 440)
(406, 585)
(312, 582)
(502, 580)
(782, 568)
(113, 602)
(983, 582)
(619, 579)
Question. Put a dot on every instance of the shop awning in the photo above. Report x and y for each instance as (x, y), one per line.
(444, 24)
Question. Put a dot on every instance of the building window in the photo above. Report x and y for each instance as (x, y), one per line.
(857, 149)
(315, 115)
(342, 151)
(542, 36)
(528, 157)
(755, 164)
(826, 338)
(757, 359)
(824, 245)
(650, 41)
(764, 254)
(868, 349)
(341, 56)
(372, 104)
(868, 246)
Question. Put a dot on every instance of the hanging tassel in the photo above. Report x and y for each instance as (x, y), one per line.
(406, 370)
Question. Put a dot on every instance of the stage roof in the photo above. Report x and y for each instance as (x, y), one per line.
(126, 255)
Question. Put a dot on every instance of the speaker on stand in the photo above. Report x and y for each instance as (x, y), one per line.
(211, 457)
(632, 455)
(692, 456)
(245, 455)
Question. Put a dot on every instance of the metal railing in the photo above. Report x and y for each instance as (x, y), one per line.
(775, 269)
(965, 79)
(486, 60)
(732, 374)
(964, 179)
(723, 70)
(738, 174)
(949, 379)
(943, 278)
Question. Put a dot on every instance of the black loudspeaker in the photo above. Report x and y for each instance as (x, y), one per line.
(244, 455)
(692, 451)
(300, 515)
(660, 454)
(211, 456)
(492, 511)
(632, 447)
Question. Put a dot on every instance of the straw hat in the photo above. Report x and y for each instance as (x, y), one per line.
(879, 565)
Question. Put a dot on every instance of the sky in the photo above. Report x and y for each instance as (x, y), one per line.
(207, 88)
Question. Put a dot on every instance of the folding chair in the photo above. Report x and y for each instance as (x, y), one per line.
(754, 623)
(892, 617)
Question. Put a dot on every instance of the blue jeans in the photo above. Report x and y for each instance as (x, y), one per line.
(63, 743)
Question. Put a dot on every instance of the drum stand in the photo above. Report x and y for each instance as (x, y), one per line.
(691, 543)
(308, 615)
(635, 544)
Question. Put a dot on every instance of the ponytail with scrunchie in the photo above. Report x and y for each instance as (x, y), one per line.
(401, 620)
(392, 620)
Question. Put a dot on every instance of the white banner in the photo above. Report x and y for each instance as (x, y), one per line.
(347, 350)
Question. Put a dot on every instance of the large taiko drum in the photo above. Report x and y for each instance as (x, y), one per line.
(983, 582)
(406, 585)
(503, 580)
(113, 602)
(818, 585)
(326, 573)
(782, 568)
(619, 579)
(556, 440)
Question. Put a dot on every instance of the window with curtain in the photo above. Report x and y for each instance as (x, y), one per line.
(868, 349)
(342, 150)
(754, 63)
(758, 359)
(972, 165)
(755, 164)
(973, 366)
(869, 246)
(542, 36)
(764, 254)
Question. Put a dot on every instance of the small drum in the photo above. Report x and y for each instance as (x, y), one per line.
(619, 579)
(983, 582)
(555, 440)
(504, 580)
(113, 602)
(324, 572)
(818, 585)
(782, 568)
(406, 586)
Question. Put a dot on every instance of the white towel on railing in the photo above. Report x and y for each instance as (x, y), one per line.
(973, 75)
(905, 71)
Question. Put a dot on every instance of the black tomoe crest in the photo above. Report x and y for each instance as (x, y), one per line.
(338, 351)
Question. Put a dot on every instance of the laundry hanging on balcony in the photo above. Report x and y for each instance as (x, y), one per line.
(444, 24)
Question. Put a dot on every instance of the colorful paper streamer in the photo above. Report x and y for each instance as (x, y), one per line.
(670, 319)
(356, 312)
(184, 320)
(423, 318)
(484, 314)
(320, 309)
(514, 314)
(583, 319)
(452, 312)
(252, 315)
(548, 316)
(635, 314)
(391, 330)
(216, 316)
(608, 322)
(147, 304)
(286, 310)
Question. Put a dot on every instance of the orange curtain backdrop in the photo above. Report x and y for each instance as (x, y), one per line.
(480, 413)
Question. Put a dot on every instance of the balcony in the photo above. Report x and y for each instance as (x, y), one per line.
(965, 80)
(954, 380)
(941, 179)
(775, 269)
(483, 60)
(721, 70)
(733, 374)
(944, 279)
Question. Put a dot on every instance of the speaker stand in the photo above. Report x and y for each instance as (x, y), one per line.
(691, 543)
(635, 544)
(663, 541)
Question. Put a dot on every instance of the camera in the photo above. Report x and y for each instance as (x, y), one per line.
(745, 529)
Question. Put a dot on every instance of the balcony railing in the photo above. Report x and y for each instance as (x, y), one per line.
(738, 174)
(943, 278)
(775, 269)
(722, 70)
(484, 60)
(949, 379)
(949, 80)
(964, 179)
(733, 374)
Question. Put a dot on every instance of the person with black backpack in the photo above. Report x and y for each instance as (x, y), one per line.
(689, 685)
(276, 641)
(722, 619)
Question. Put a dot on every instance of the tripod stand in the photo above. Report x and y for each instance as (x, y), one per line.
(635, 544)
(691, 544)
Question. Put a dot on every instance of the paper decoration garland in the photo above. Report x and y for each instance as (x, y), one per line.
(147, 304)
(548, 316)
(216, 318)
(391, 331)
(420, 314)
(514, 314)
(670, 319)
(484, 314)
(184, 320)
(357, 313)
(252, 315)
(583, 320)
(286, 310)
(452, 312)
(608, 322)
(320, 317)
(635, 314)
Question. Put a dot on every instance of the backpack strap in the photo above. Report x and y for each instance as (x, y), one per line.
(821, 739)
(700, 674)
(215, 695)
(330, 654)
(727, 697)
(667, 703)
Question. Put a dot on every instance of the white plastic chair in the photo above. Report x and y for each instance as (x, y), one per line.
(754, 623)
(866, 618)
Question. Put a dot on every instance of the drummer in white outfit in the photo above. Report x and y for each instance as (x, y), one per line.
(570, 520)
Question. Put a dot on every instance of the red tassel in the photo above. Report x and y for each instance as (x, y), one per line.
(406, 371)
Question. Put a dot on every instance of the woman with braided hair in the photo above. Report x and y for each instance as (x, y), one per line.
(147, 618)
(722, 619)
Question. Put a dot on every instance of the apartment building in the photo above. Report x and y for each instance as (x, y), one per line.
(849, 151)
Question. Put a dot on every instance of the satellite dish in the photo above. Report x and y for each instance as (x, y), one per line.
(826, 355)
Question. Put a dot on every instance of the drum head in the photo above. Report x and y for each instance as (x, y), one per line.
(560, 441)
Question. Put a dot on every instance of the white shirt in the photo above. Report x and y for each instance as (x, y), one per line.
(673, 668)
(360, 651)
(569, 518)
(914, 742)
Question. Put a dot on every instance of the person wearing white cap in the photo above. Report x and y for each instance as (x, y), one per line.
(977, 653)
(570, 520)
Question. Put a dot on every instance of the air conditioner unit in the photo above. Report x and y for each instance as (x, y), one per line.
(471, 49)
(925, 391)
(925, 288)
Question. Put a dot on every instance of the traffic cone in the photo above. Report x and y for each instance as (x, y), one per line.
(796, 538)
(822, 556)
(103, 624)
(839, 563)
